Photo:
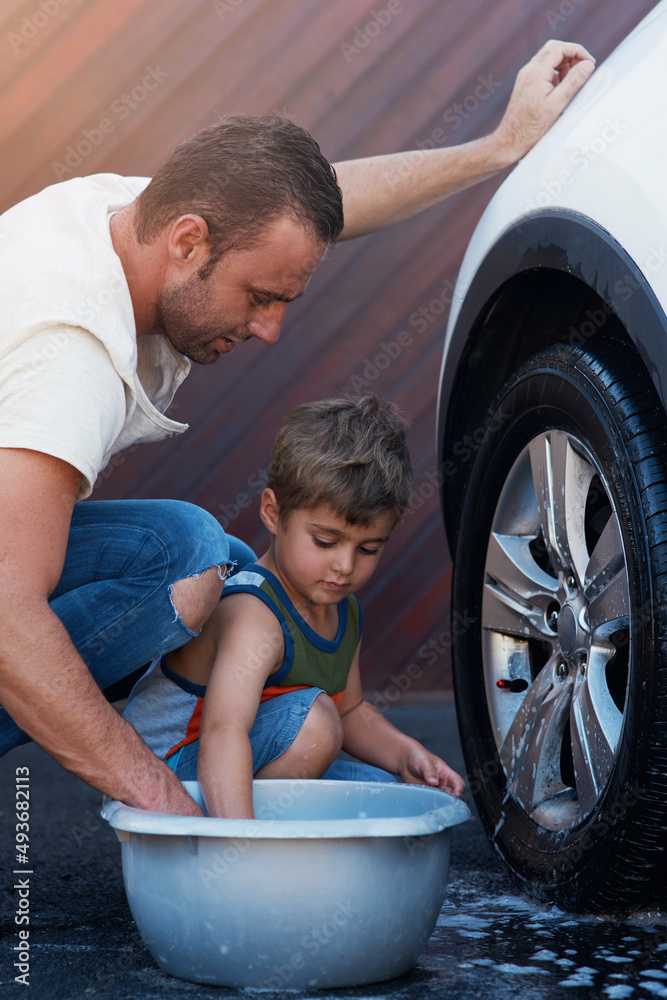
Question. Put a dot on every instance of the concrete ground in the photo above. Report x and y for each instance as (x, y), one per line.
(490, 940)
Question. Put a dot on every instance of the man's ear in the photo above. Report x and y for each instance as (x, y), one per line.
(269, 510)
(187, 239)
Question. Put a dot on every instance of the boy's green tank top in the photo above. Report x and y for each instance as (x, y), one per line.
(310, 660)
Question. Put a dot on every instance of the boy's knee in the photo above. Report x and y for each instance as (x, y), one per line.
(324, 724)
(195, 598)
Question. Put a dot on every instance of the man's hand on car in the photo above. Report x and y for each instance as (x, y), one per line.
(542, 90)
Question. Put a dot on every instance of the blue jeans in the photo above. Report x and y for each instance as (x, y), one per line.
(114, 595)
(276, 726)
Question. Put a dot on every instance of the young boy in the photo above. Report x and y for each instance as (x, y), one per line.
(271, 685)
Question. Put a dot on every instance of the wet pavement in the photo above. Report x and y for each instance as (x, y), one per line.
(490, 939)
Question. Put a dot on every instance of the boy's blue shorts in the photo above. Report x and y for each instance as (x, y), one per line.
(276, 726)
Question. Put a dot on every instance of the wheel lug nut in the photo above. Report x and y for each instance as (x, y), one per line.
(582, 663)
(561, 669)
(571, 582)
(552, 614)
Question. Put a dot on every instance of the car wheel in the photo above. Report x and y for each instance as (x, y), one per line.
(559, 587)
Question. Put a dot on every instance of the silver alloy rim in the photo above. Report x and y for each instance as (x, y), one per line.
(555, 630)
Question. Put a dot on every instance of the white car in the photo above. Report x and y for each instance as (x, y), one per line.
(552, 437)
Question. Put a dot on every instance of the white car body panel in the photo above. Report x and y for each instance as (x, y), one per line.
(605, 158)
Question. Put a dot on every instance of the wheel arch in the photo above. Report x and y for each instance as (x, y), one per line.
(552, 277)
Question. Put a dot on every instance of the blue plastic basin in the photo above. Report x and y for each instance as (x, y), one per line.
(334, 884)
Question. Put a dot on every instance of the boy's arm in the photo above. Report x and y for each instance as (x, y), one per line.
(250, 645)
(380, 190)
(371, 738)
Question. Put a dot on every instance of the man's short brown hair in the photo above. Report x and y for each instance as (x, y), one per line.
(349, 453)
(239, 175)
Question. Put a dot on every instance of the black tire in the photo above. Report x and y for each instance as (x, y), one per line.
(567, 759)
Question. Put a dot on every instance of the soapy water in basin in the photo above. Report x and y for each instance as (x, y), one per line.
(335, 883)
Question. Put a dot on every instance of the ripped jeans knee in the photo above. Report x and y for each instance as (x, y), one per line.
(194, 598)
(123, 559)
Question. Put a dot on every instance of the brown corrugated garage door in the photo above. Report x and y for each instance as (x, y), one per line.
(89, 86)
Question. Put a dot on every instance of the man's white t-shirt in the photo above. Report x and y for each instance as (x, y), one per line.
(74, 380)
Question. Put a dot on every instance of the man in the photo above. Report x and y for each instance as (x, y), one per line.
(111, 284)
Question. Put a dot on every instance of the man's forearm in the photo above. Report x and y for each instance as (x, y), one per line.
(378, 191)
(381, 190)
(50, 693)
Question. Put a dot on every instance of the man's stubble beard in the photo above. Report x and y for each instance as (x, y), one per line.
(175, 316)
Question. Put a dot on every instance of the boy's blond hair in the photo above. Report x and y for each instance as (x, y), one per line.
(349, 453)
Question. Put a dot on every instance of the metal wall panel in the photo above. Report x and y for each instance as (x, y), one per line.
(89, 86)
